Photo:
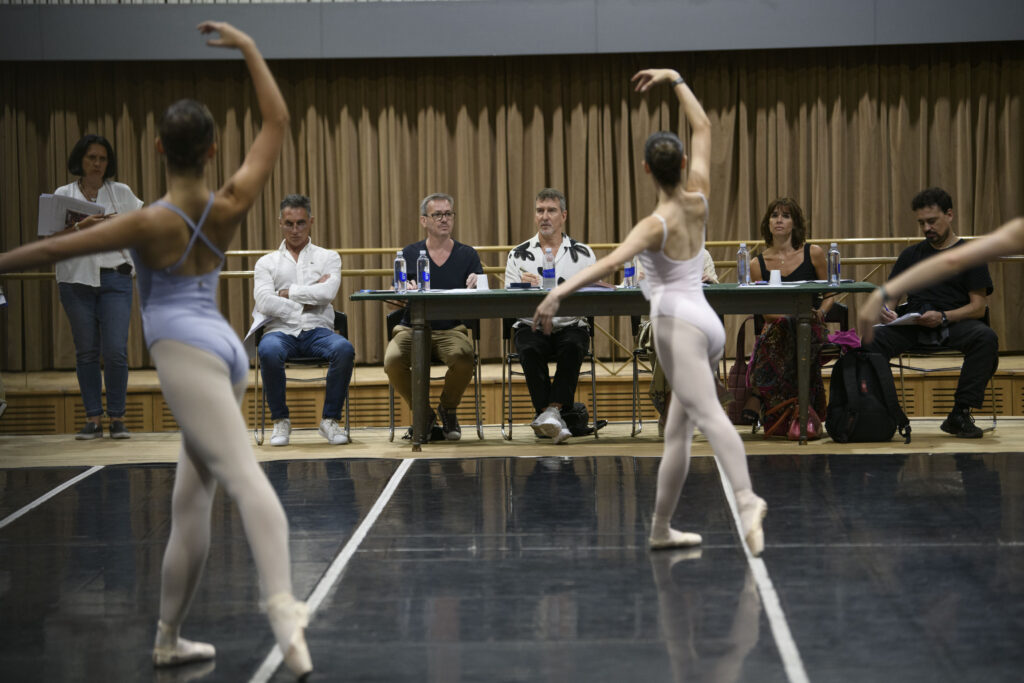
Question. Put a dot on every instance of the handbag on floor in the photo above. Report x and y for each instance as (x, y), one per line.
(784, 420)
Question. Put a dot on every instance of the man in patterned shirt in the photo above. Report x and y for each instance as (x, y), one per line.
(569, 340)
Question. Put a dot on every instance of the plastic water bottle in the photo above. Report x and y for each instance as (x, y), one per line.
(833, 265)
(400, 272)
(423, 271)
(629, 274)
(548, 274)
(743, 265)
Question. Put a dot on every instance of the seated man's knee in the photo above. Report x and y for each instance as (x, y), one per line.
(343, 351)
(394, 359)
(271, 351)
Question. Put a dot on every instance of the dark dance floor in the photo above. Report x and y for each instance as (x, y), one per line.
(877, 568)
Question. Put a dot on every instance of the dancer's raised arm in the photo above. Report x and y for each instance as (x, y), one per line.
(699, 175)
(1007, 239)
(248, 181)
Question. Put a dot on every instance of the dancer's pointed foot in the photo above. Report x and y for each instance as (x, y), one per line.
(752, 513)
(670, 538)
(172, 650)
(288, 618)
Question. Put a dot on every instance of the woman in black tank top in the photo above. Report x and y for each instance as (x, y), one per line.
(772, 378)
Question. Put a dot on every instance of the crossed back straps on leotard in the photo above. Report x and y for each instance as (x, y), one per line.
(197, 231)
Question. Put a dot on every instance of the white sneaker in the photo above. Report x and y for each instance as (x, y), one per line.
(282, 432)
(562, 435)
(332, 431)
(549, 423)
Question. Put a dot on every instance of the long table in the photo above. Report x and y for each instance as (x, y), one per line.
(791, 299)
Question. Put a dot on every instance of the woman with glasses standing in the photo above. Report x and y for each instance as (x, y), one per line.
(96, 290)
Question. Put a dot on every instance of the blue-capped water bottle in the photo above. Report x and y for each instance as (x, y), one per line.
(743, 265)
(833, 265)
(401, 275)
(629, 274)
(423, 271)
(548, 274)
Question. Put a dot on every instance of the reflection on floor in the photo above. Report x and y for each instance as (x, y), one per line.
(887, 567)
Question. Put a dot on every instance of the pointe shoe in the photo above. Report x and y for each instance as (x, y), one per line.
(752, 514)
(673, 539)
(171, 649)
(288, 619)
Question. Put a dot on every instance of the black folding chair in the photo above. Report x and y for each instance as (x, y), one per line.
(507, 372)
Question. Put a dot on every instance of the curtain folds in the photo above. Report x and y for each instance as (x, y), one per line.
(851, 133)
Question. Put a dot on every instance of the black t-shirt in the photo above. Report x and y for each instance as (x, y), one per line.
(948, 294)
(452, 275)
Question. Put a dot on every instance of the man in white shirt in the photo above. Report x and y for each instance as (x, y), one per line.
(295, 287)
(570, 337)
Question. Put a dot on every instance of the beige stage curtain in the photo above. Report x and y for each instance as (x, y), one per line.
(852, 133)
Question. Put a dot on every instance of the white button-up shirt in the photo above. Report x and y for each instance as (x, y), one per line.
(85, 270)
(279, 270)
(570, 258)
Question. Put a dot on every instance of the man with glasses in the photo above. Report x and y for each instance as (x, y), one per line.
(294, 288)
(453, 265)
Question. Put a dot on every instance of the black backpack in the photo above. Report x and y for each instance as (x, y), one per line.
(862, 403)
(577, 420)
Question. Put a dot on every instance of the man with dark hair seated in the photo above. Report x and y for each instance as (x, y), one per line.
(951, 313)
(295, 287)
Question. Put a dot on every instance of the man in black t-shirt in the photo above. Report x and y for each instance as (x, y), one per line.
(453, 265)
(951, 311)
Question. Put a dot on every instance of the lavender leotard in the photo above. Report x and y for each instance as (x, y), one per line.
(675, 290)
(184, 307)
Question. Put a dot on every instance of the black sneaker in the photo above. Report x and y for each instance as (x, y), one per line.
(118, 430)
(960, 423)
(435, 433)
(91, 430)
(449, 424)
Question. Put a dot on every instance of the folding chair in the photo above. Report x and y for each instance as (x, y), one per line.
(507, 372)
(929, 351)
(394, 318)
(640, 354)
(340, 327)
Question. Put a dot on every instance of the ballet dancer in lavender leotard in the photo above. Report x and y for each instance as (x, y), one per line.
(688, 335)
(178, 247)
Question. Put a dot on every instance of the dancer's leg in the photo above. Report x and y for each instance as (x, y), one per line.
(672, 471)
(197, 387)
(684, 352)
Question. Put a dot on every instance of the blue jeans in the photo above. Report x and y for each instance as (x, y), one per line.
(277, 347)
(99, 318)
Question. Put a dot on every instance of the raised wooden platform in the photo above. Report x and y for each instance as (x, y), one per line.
(49, 402)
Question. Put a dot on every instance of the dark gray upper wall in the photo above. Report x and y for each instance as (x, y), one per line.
(443, 28)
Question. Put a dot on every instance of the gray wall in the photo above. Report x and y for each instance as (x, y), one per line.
(498, 27)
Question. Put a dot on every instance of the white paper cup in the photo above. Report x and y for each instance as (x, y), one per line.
(775, 277)
(481, 281)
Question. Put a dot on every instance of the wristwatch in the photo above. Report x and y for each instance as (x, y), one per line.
(945, 320)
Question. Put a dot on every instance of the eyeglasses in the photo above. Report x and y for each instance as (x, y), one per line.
(438, 215)
(296, 226)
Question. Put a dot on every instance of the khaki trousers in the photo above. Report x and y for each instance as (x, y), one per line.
(451, 347)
